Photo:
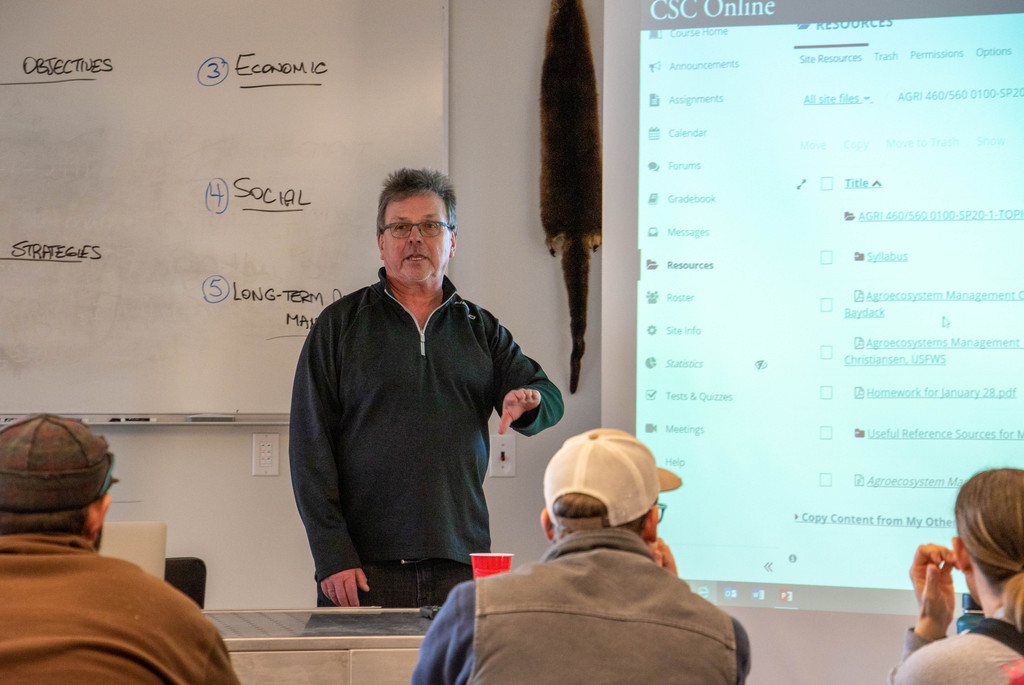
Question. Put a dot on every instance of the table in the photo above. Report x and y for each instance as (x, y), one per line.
(338, 646)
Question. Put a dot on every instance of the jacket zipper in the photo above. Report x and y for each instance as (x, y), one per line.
(422, 331)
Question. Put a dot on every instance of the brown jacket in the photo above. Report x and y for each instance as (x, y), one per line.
(68, 615)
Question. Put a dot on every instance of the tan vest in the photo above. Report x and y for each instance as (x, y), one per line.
(598, 610)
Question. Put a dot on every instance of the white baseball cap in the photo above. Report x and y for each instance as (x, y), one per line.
(611, 466)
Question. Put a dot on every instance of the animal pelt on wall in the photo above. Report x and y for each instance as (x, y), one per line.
(570, 181)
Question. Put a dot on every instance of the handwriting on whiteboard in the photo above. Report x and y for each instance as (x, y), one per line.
(25, 250)
(273, 73)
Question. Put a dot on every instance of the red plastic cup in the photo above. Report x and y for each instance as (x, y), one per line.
(490, 563)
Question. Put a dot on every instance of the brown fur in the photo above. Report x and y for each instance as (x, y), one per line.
(570, 182)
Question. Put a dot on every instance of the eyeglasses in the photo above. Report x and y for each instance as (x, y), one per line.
(428, 229)
(661, 510)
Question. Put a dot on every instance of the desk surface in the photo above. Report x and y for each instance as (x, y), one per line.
(315, 629)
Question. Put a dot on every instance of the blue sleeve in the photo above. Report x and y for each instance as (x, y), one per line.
(446, 655)
(742, 652)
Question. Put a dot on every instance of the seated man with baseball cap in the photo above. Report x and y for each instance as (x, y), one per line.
(603, 605)
(67, 614)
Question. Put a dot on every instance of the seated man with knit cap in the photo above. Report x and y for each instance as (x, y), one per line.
(603, 605)
(68, 615)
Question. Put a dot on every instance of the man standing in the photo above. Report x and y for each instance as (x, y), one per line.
(68, 615)
(604, 605)
(393, 390)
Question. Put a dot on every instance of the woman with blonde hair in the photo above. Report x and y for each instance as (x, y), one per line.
(989, 551)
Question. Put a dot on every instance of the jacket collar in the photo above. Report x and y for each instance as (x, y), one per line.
(44, 543)
(586, 540)
(447, 287)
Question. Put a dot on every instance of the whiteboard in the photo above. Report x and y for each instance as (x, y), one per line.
(185, 185)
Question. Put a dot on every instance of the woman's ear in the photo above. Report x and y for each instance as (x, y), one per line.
(963, 559)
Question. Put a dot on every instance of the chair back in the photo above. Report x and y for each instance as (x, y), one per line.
(188, 574)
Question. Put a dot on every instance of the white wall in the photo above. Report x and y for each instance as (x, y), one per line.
(497, 49)
(198, 480)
